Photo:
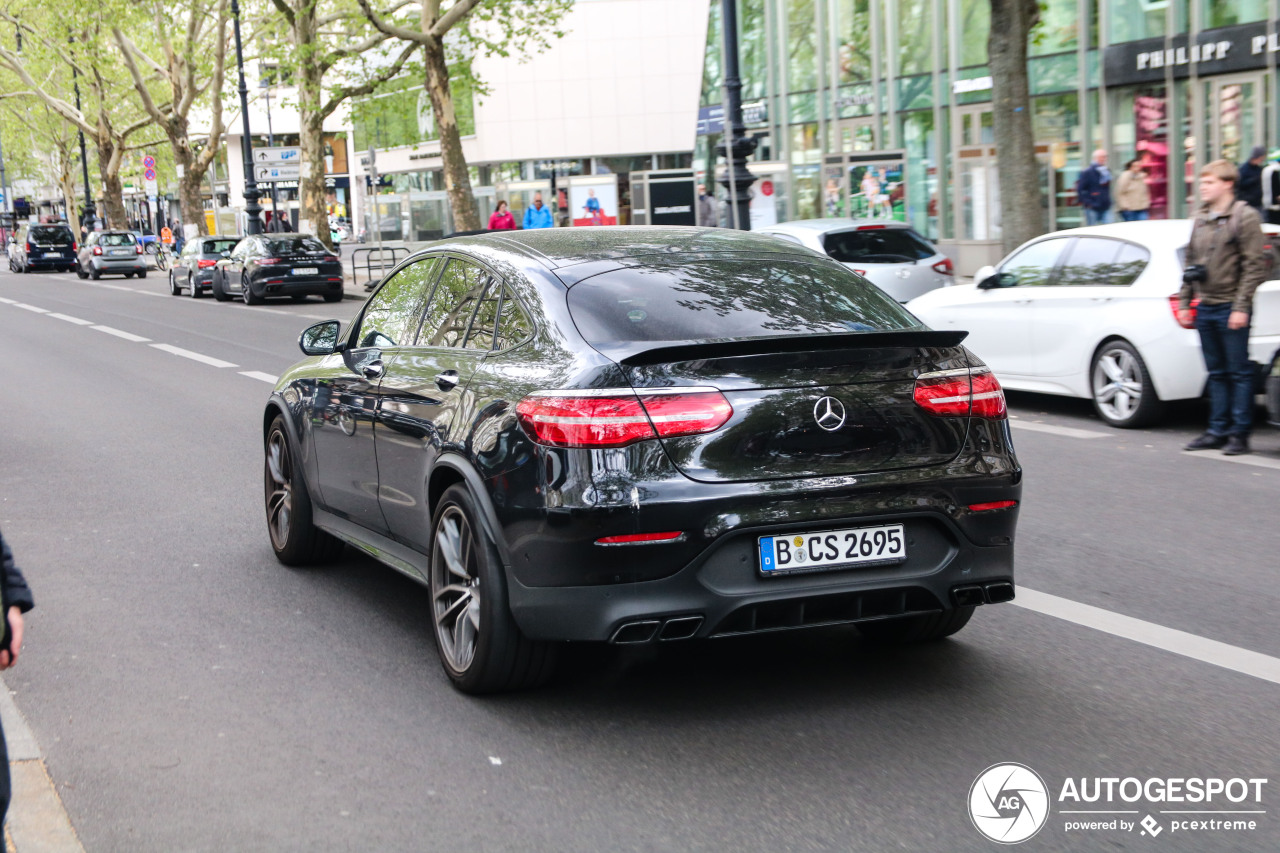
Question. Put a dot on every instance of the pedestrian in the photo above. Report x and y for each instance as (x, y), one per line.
(538, 216)
(707, 217)
(1249, 186)
(1271, 189)
(16, 597)
(501, 219)
(1133, 197)
(1225, 263)
(1093, 190)
(594, 212)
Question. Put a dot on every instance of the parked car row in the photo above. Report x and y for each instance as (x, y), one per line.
(256, 267)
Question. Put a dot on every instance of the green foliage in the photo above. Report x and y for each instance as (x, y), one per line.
(400, 114)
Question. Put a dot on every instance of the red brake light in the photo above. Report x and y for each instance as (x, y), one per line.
(992, 505)
(74, 248)
(861, 272)
(961, 393)
(264, 261)
(30, 248)
(97, 250)
(138, 248)
(617, 417)
(204, 263)
(945, 267)
(871, 227)
(642, 538)
(1174, 301)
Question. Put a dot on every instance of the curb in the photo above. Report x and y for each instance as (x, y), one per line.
(38, 821)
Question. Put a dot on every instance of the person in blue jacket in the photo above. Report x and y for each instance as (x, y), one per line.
(538, 216)
(17, 600)
(1093, 190)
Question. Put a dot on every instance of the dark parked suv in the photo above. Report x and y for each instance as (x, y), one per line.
(43, 247)
(636, 435)
(263, 265)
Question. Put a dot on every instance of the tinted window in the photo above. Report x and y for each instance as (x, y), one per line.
(50, 234)
(1033, 266)
(391, 317)
(1129, 264)
(1097, 261)
(109, 239)
(480, 335)
(513, 324)
(293, 244)
(217, 247)
(747, 298)
(452, 304)
(878, 246)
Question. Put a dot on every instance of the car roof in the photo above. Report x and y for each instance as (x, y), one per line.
(561, 247)
(828, 226)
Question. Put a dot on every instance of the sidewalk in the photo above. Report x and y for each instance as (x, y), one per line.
(37, 822)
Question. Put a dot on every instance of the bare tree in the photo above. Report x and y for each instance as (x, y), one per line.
(1021, 216)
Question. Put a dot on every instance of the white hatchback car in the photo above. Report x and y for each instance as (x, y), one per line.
(1090, 313)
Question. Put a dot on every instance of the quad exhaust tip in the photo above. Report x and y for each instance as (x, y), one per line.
(664, 630)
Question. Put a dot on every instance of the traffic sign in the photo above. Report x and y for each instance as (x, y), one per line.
(271, 174)
(290, 156)
(151, 188)
(149, 174)
(149, 162)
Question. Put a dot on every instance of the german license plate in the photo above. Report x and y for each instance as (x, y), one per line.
(122, 252)
(817, 551)
(305, 270)
(53, 254)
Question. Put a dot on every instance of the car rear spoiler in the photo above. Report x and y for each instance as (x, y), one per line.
(637, 353)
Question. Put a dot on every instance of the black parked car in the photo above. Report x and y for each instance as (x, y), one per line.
(263, 265)
(194, 267)
(43, 247)
(641, 435)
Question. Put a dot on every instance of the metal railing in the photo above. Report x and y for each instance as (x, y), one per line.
(377, 261)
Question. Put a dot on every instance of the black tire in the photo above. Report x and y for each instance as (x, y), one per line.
(196, 292)
(333, 297)
(1120, 386)
(294, 537)
(80, 272)
(141, 273)
(246, 292)
(174, 290)
(94, 273)
(500, 658)
(220, 292)
(917, 629)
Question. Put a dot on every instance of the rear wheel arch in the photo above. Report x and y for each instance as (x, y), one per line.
(453, 468)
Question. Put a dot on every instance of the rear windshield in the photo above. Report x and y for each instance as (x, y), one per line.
(291, 245)
(50, 234)
(118, 240)
(739, 298)
(217, 247)
(878, 246)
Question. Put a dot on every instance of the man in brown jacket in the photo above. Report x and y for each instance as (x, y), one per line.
(1225, 264)
(1133, 198)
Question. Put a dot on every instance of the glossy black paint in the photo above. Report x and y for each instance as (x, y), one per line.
(258, 263)
(37, 248)
(383, 431)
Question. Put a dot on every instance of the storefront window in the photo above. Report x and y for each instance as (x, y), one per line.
(921, 190)
(974, 26)
(1224, 13)
(1140, 130)
(806, 156)
(802, 45)
(854, 26)
(1056, 121)
(753, 47)
(1130, 21)
(1059, 28)
(712, 75)
(915, 48)
(1054, 73)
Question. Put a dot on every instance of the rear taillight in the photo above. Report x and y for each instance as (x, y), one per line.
(643, 538)
(138, 248)
(1175, 302)
(74, 249)
(988, 507)
(961, 393)
(871, 227)
(618, 417)
(944, 266)
(97, 250)
(30, 248)
(204, 263)
(269, 261)
(861, 272)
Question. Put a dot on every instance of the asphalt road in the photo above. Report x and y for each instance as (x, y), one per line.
(189, 693)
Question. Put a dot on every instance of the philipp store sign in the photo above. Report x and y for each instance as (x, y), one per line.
(1217, 51)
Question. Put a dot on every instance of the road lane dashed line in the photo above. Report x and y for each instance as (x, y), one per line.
(194, 356)
(1054, 429)
(1192, 646)
(8, 301)
(71, 319)
(264, 309)
(1255, 461)
(257, 374)
(128, 336)
(25, 307)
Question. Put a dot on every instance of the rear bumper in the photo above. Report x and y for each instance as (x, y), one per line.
(121, 265)
(291, 285)
(50, 263)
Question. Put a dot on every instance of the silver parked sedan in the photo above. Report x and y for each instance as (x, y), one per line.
(891, 255)
(111, 253)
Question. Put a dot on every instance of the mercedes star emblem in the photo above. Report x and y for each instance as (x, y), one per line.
(829, 413)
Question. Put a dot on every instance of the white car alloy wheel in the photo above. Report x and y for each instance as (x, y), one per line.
(1122, 392)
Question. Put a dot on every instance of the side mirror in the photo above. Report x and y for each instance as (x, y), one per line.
(984, 273)
(320, 339)
(226, 253)
(997, 280)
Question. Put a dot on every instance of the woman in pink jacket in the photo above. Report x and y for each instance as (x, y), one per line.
(502, 220)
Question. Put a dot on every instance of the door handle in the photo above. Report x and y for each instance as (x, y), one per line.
(447, 380)
(374, 369)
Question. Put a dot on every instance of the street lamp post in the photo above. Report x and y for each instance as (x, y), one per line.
(90, 212)
(271, 142)
(735, 146)
(253, 212)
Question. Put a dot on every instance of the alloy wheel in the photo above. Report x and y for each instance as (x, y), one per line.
(456, 589)
(1117, 383)
(279, 489)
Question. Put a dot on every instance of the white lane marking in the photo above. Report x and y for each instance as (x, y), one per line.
(257, 374)
(128, 336)
(1054, 429)
(1148, 633)
(153, 293)
(1256, 461)
(194, 356)
(25, 307)
(8, 301)
(113, 287)
(71, 319)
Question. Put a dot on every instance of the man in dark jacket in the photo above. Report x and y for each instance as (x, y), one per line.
(16, 601)
(1249, 187)
(1093, 190)
(1227, 245)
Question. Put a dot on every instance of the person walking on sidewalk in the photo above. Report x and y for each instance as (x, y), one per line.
(1249, 184)
(502, 220)
(707, 217)
(1226, 261)
(538, 216)
(16, 600)
(1133, 198)
(1271, 189)
(1093, 190)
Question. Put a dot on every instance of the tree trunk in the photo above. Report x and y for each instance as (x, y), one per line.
(457, 181)
(1021, 210)
(190, 194)
(312, 140)
(112, 188)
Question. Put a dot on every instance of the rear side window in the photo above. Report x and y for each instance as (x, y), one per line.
(738, 298)
(1098, 261)
(453, 303)
(50, 235)
(878, 246)
(217, 247)
(277, 246)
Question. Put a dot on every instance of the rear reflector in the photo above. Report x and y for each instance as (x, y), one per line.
(204, 263)
(617, 417)
(642, 538)
(987, 507)
(961, 393)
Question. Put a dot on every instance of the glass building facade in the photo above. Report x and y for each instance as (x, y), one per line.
(837, 89)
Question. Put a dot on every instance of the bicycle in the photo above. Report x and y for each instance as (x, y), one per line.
(164, 256)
